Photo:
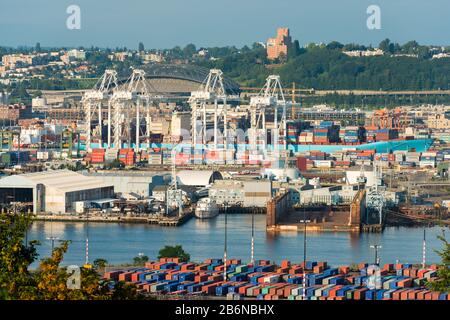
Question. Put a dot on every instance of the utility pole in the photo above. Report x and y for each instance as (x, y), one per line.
(53, 239)
(424, 249)
(305, 222)
(252, 255)
(225, 204)
(294, 115)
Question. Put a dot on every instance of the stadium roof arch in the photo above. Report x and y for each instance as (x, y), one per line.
(178, 78)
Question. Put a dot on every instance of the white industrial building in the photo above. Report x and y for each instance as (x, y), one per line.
(54, 191)
(139, 182)
(245, 193)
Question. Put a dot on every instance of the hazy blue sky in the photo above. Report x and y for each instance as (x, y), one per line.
(164, 24)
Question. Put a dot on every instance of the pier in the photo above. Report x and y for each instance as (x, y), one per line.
(167, 221)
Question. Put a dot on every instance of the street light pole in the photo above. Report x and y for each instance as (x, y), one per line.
(305, 222)
(424, 249)
(252, 258)
(225, 245)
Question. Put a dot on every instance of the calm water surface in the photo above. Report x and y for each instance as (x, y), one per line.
(119, 243)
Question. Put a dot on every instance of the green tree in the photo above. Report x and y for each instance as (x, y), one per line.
(49, 281)
(140, 260)
(174, 252)
(141, 47)
(100, 264)
(385, 45)
(442, 284)
(334, 45)
(16, 282)
(116, 164)
(189, 50)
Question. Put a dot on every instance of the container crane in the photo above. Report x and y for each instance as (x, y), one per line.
(135, 95)
(271, 97)
(92, 102)
(210, 100)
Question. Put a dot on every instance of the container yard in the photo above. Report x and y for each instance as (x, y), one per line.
(265, 280)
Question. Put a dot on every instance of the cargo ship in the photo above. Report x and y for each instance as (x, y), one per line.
(206, 209)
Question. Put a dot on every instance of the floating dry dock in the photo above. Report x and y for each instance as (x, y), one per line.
(265, 280)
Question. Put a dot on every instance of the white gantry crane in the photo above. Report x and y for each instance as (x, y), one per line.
(93, 101)
(174, 196)
(132, 97)
(375, 198)
(210, 101)
(270, 98)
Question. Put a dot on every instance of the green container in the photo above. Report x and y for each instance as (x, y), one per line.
(241, 268)
(349, 294)
(265, 290)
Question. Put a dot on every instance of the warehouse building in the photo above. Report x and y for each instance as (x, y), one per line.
(53, 191)
(244, 193)
(125, 182)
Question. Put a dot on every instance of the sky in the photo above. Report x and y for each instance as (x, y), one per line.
(208, 23)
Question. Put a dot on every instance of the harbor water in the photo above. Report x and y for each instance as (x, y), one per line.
(120, 243)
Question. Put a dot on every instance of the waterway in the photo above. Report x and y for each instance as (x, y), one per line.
(119, 243)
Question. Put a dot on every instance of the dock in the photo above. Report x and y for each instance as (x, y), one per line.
(166, 221)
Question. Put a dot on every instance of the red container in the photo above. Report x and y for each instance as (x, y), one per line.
(360, 294)
(126, 276)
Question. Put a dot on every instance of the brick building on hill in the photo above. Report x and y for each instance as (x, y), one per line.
(280, 45)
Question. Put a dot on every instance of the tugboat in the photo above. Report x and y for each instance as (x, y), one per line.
(206, 209)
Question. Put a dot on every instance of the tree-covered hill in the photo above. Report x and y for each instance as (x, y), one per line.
(327, 67)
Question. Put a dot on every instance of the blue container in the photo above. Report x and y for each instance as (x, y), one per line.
(359, 280)
(310, 264)
(190, 276)
(194, 288)
(222, 290)
(380, 294)
(295, 280)
(169, 265)
(171, 287)
(143, 275)
(184, 286)
(330, 272)
(337, 281)
(213, 265)
(254, 279)
(313, 280)
(310, 292)
(342, 292)
(159, 276)
(217, 261)
(239, 277)
(265, 268)
(370, 294)
(326, 292)
(235, 288)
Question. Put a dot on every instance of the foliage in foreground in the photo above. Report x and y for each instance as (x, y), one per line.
(442, 284)
(49, 281)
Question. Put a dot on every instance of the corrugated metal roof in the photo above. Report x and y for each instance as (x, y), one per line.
(64, 180)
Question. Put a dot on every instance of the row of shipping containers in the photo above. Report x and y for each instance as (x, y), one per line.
(268, 281)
